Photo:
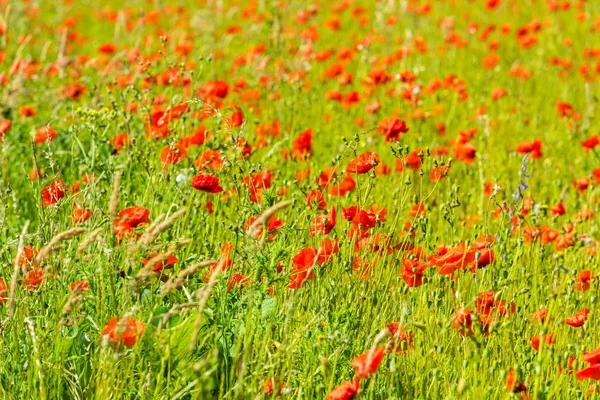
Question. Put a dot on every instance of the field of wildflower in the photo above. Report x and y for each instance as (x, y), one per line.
(262, 199)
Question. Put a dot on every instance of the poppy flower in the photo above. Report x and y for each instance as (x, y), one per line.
(206, 183)
(591, 142)
(533, 148)
(591, 372)
(302, 146)
(167, 264)
(5, 125)
(125, 331)
(237, 280)
(3, 291)
(583, 280)
(345, 186)
(80, 285)
(129, 219)
(172, 154)
(273, 225)
(363, 163)
(368, 362)
(302, 270)
(33, 279)
(316, 198)
(578, 319)
(345, 391)
(412, 272)
(536, 340)
(593, 357)
(558, 209)
(44, 134)
(513, 384)
(463, 321)
(80, 215)
(271, 384)
(323, 223)
(53, 193)
(392, 127)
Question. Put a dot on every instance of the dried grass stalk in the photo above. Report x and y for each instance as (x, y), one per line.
(148, 269)
(72, 303)
(264, 217)
(177, 282)
(15, 275)
(113, 207)
(151, 234)
(66, 235)
(88, 240)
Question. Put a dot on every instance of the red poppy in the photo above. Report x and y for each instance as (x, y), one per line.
(53, 193)
(591, 372)
(412, 272)
(5, 125)
(33, 279)
(125, 331)
(392, 127)
(534, 148)
(591, 142)
(237, 280)
(578, 319)
(80, 215)
(273, 225)
(316, 198)
(323, 223)
(513, 384)
(129, 219)
(463, 321)
(172, 154)
(363, 163)
(583, 280)
(80, 285)
(167, 264)
(302, 270)
(593, 357)
(368, 362)
(302, 146)
(206, 183)
(345, 391)
(3, 291)
(45, 133)
(536, 340)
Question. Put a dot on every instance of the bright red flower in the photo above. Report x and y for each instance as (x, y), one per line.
(125, 331)
(3, 291)
(345, 391)
(302, 270)
(368, 362)
(583, 280)
(514, 385)
(172, 154)
(206, 183)
(80, 285)
(578, 319)
(534, 148)
(80, 215)
(536, 340)
(463, 321)
(392, 127)
(591, 372)
(53, 193)
(363, 163)
(316, 197)
(45, 133)
(412, 272)
(323, 223)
